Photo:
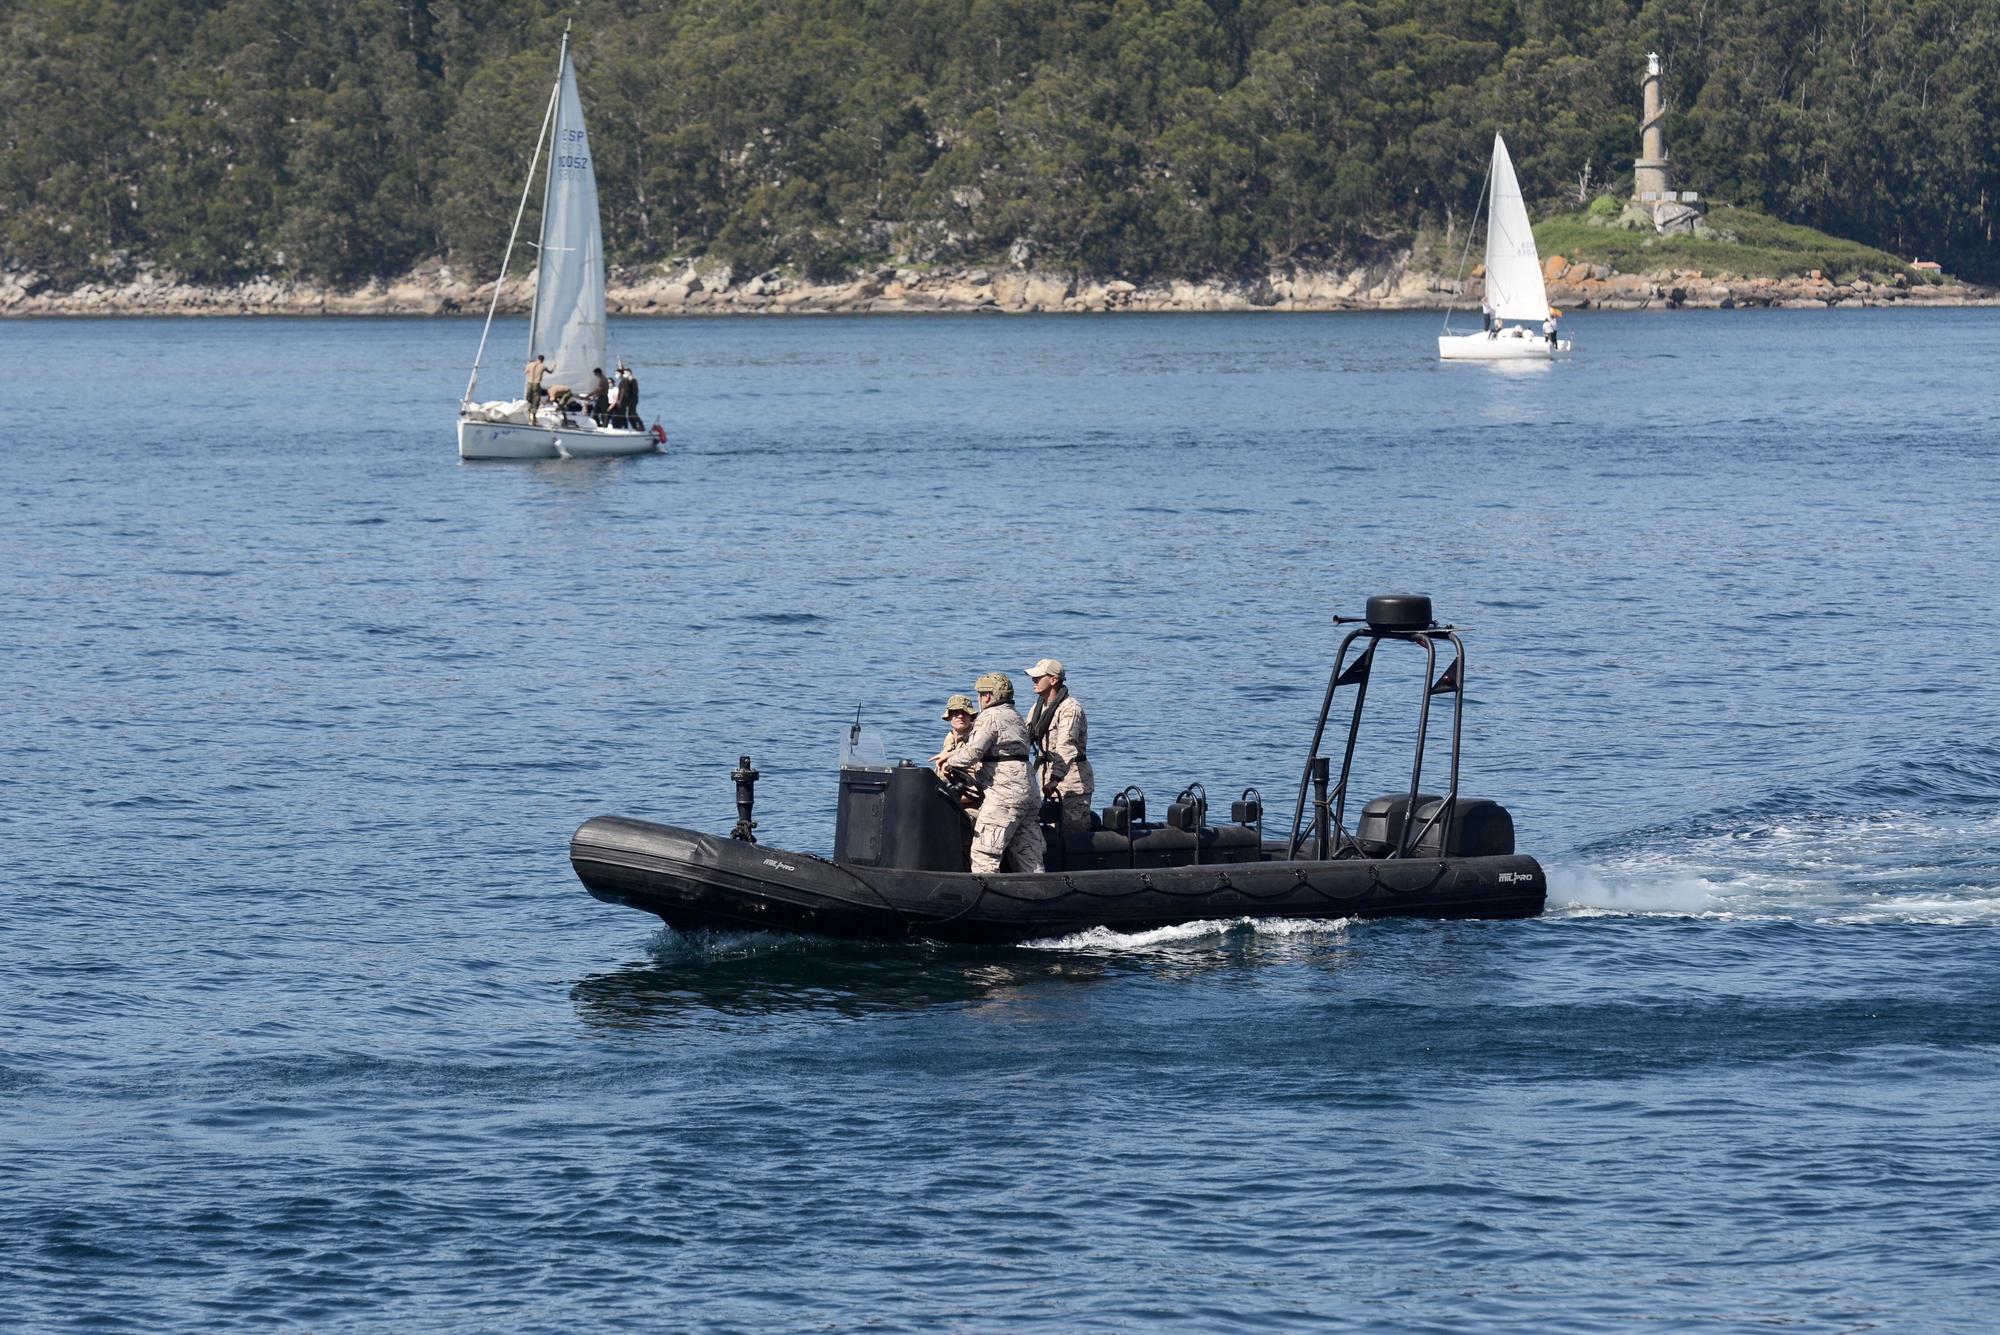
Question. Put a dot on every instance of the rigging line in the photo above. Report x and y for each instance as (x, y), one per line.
(519, 213)
(1458, 283)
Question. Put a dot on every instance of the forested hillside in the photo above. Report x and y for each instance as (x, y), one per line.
(337, 140)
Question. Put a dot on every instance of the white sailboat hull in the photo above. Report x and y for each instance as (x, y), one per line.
(509, 440)
(1503, 347)
(606, 444)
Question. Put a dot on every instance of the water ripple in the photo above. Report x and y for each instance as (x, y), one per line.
(309, 1026)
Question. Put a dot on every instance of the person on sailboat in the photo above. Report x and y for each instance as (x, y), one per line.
(1485, 315)
(628, 398)
(595, 395)
(535, 371)
(1549, 327)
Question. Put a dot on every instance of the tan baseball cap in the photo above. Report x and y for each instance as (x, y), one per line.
(959, 704)
(1047, 667)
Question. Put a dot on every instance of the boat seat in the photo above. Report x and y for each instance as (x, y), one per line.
(1231, 843)
(1151, 846)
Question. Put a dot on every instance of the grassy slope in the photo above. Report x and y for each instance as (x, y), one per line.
(1763, 248)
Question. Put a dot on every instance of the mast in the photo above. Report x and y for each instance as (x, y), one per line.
(548, 181)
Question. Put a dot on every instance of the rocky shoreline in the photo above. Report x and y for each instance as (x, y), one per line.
(698, 289)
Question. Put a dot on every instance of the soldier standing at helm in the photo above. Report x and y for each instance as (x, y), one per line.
(959, 712)
(995, 754)
(1056, 727)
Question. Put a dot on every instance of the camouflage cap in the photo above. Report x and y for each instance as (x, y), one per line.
(997, 684)
(959, 704)
(1048, 667)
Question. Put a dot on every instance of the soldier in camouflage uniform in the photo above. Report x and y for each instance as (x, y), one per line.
(1057, 728)
(996, 756)
(960, 712)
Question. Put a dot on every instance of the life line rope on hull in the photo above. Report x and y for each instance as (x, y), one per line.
(1222, 883)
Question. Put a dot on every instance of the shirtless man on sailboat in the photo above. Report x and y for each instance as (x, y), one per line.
(534, 371)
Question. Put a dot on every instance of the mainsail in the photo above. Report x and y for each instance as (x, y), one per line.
(568, 320)
(1513, 270)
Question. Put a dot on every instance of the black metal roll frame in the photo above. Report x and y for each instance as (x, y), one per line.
(1329, 825)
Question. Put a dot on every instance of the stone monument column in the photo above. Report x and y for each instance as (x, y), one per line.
(1649, 169)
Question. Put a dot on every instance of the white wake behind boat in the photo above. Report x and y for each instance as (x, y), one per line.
(1514, 287)
(566, 323)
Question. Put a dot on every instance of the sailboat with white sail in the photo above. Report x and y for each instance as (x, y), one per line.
(566, 325)
(1514, 288)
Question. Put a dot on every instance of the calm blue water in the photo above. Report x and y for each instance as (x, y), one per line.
(306, 1024)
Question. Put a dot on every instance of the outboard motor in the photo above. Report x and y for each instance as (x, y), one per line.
(1379, 832)
(1478, 828)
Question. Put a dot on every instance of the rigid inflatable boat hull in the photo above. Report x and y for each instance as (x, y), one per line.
(694, 881)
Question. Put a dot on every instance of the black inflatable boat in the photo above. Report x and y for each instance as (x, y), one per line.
(901, 845)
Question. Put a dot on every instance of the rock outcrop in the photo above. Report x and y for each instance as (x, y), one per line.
(697, 288)
(1594, 287)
